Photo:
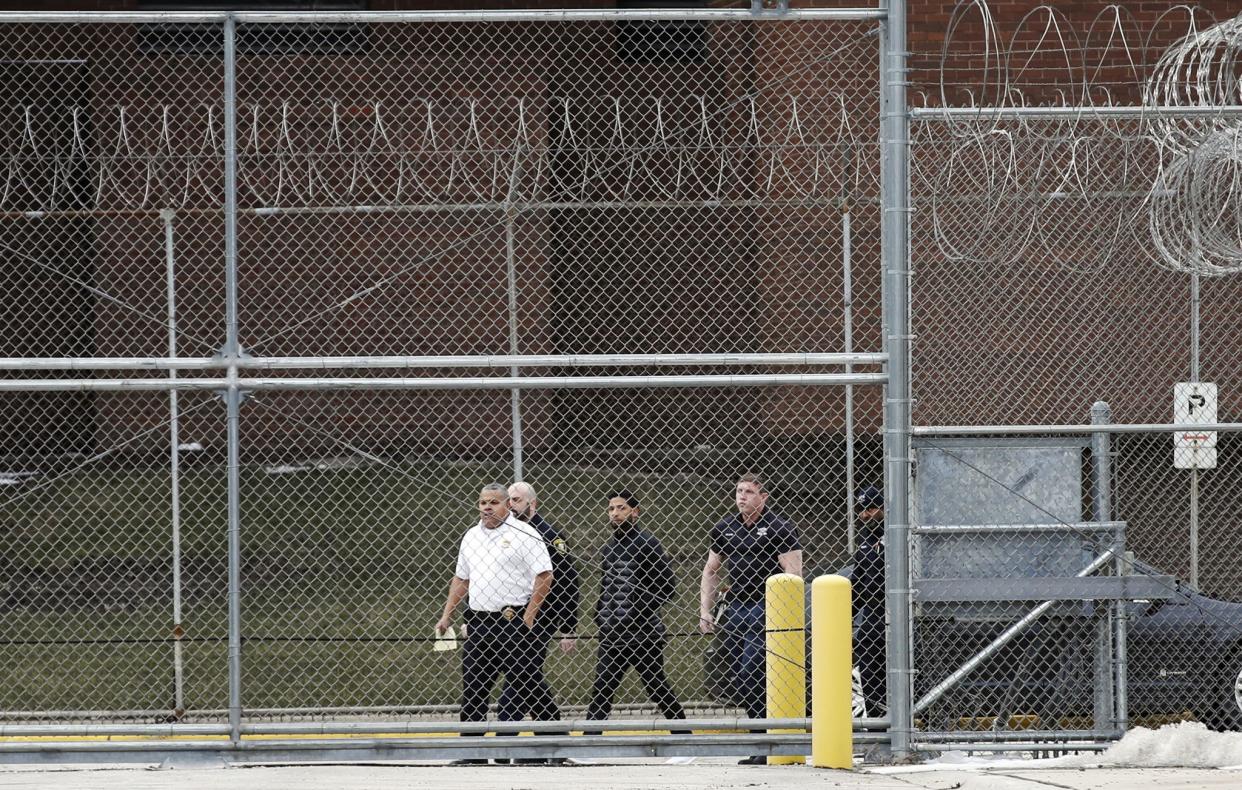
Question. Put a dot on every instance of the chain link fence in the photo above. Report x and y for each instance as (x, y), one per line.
(625, 253)
(286, 294)
(1075, 248)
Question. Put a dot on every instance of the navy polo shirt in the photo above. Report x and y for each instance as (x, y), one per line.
(751, 552)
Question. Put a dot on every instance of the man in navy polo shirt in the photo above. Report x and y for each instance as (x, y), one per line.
(752, 544)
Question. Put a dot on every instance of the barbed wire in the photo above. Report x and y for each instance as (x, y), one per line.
(429, 152)
(1164, 179)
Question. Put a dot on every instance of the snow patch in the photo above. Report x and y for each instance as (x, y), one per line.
(1186, 744)
(964, 761)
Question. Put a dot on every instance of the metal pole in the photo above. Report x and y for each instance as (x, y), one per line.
(515, 395)
(441, 17)
(895, 202)
(1101, 449)
(479, 361)
(1194, 528)
(1102, 512)
(431, 383)
(1035, 430)
(230, 352)
(388, 726)
(542, 205)
(1194, 327)
(174, 461)
(987, 115)
(847, 289)
(1194, 473)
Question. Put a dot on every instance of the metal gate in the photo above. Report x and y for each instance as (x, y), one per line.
(284, 292)
(1075, 253)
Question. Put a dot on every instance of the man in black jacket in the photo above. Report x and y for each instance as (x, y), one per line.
(559, 613)
(637, 579)
(867, 580)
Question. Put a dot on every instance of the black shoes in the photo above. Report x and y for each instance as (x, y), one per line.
(756, 760)
(514, 762)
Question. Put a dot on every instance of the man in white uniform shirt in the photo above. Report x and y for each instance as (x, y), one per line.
(505, 569)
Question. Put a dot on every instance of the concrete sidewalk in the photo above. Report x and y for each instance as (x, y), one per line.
(702, 774)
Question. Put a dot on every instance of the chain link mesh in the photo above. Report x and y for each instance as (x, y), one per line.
(469, 190)
(416, 189)
(1059, 248)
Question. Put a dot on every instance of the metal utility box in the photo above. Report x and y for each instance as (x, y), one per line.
(1000, 487)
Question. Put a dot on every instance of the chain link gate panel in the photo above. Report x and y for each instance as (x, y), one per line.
(597, 254)
(1075, 253)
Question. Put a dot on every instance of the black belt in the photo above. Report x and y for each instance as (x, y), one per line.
(507, 613)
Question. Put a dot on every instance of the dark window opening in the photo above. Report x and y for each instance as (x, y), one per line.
(255, 39)
(662, 41)
(46, 312)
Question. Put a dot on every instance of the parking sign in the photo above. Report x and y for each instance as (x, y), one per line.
(1194, 402)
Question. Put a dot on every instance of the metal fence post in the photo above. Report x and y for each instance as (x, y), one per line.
(174, 469)
(515, 395)
(847, 305)
(231, 351)
(895, 198)
(1102, 510)
(1194, 473)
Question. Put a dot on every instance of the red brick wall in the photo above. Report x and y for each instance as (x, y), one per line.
(572, 265)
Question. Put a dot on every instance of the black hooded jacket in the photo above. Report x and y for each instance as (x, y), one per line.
(636, 580)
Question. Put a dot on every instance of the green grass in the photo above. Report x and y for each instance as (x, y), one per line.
(344, 575)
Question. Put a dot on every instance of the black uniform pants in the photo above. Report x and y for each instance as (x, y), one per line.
(619, 652)
(497, 646)
(542, 704)
(869, 652)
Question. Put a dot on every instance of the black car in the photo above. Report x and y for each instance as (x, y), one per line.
(1184, 662)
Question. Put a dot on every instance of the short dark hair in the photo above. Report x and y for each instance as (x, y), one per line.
(625, 494)
(496, 488)
(751, 477)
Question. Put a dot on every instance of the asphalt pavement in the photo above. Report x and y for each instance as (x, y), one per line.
(701, 774)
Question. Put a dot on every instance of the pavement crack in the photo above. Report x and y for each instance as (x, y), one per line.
(1021, 778)
(922, 784)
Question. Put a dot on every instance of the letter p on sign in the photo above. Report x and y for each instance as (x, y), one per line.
(1194, 402)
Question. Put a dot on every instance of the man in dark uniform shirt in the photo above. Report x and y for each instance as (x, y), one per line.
(867, 580)
(557, 617)
(753, 544)
(636, 580)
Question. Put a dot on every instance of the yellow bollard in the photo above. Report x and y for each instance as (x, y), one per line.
(785, 613)
(832, 722)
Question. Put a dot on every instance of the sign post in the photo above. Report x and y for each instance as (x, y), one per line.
(1194, 402)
